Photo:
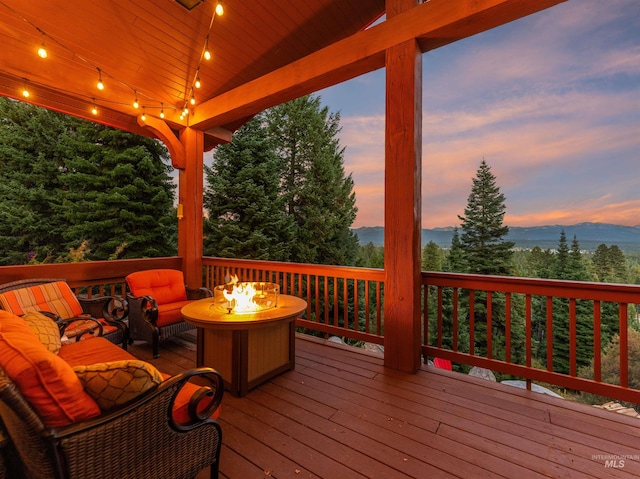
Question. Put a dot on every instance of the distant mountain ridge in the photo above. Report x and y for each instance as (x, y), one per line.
(589, 235)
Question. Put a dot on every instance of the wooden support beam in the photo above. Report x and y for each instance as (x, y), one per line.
(190, 191)
(434, 24)
(162, 131)
(403, 213)
(219, 135)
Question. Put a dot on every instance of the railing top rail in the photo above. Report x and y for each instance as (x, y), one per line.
(93, 271)
(623, 293)
(300, 268)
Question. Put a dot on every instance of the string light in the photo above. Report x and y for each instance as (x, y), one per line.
(207, 53)
(100, 85)
(42, 51)
(197, 83)
(144, 116)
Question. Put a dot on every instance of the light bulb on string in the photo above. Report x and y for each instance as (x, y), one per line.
(161, 110)
(94, 108)
(219, 9)
(197, 83)
(100, 85)
(207, 53)
(144, 116)
(42, 51)
(193, 98)
(136, 105)
(25, 90)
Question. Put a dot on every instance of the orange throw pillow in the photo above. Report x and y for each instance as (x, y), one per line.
(46, 380)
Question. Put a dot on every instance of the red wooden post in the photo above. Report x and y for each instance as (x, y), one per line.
(190, 190)
(403, 179)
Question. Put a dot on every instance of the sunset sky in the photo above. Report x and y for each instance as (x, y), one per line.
(551, 102)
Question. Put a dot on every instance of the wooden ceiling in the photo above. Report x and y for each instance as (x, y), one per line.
(151, 49)
(264, 53)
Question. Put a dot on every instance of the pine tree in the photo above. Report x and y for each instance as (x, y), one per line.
(455, 261)
(318, 196)
(247, 217)
(485, 250)
(69, 184)
(31, 226)
(119, 196)
(603, 270)
(618, 263)
(432, 257)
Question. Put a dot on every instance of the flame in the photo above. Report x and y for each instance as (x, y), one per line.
(243, 295)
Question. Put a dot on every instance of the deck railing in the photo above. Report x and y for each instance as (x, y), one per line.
(498, 323)
(341, 301)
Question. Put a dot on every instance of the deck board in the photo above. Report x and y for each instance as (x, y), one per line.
(342, 414)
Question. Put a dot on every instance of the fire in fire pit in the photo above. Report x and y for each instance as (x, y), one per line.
(245, 297)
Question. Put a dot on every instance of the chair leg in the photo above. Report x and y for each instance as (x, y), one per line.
(156, 345)
(213, 471)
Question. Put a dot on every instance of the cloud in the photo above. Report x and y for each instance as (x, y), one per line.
(551, 102)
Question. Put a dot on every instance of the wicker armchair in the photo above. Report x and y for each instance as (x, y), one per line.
(100, 316)
(141, 440)
(155, 301)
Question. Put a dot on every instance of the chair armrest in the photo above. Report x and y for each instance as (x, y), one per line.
(145, 307)
(63, 324)
(110, 308)
(198, 293)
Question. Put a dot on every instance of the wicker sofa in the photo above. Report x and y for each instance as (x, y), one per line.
(91, 409)
(77, 317)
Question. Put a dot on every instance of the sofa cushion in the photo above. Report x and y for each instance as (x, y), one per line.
(56, 297)
(163, 285)
(46, 329)
(98, 350)
(45, 379)
(116, 383)
(101, 350)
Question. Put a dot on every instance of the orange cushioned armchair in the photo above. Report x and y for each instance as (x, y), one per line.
(155, 300)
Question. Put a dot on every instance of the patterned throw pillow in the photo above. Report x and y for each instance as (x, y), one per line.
(46, 329)
(116, 383)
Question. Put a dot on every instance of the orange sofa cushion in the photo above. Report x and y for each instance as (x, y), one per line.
(163, 285)
(45, 379)
(56, 297)
(100, 350)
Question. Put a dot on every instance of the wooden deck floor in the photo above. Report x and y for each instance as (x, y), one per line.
(341, 415)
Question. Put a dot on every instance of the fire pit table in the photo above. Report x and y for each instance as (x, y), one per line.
(247, 348)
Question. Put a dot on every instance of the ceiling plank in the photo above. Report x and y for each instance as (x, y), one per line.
(434, 24)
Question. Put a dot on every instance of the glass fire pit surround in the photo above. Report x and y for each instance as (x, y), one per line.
(245, 297)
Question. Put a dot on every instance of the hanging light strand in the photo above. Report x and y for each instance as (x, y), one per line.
(42, 52)
(206, 55)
